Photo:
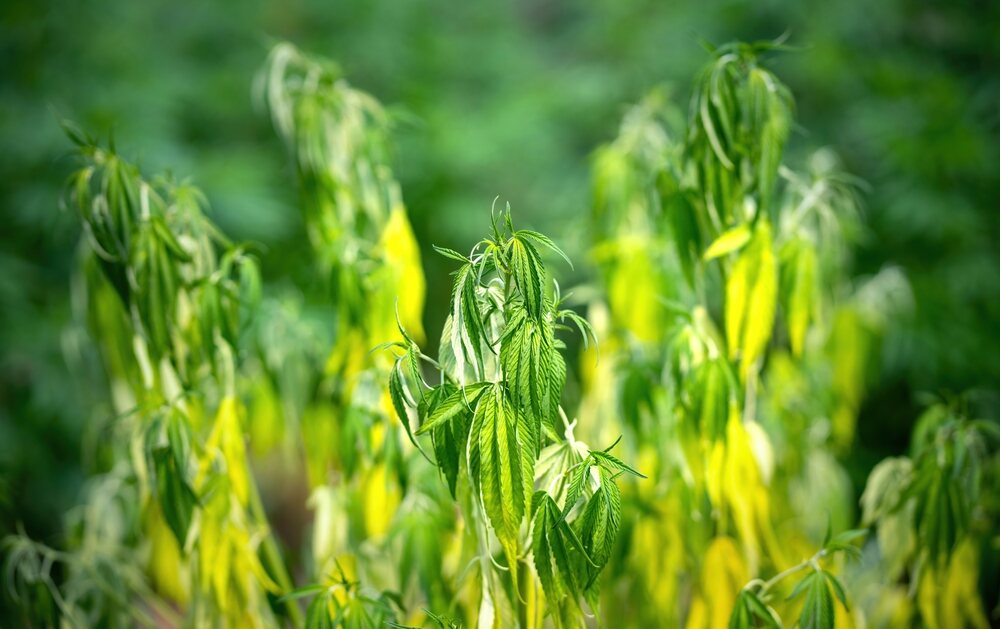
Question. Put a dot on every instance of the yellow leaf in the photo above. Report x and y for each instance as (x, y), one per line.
(381, 496)
(763, 298)
(266, 425)
(737, 298)
(405, 285)
(736, 488)
(166, 567)
(950, 597)
(227, 436)
(634, 291)
(801, 296)
(729, 241)
(723, 576)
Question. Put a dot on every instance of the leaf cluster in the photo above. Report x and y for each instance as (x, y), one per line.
(498, 404)
(183, 286)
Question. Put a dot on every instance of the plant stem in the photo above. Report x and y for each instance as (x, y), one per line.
(770, 583)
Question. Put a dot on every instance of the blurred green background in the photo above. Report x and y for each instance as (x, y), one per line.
(493, 98)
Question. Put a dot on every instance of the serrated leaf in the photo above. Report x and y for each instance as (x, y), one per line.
(504, 474)
(600, 523)
(460, 401)
(467, 327)
(817, 609)
(540, 546)
(557, 381)
(528, 359)
(545, 241)
(615, 463)
(450, 253)
(528, 274)
(577, 481)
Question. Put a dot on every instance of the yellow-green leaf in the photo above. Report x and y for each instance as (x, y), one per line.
(729, 241)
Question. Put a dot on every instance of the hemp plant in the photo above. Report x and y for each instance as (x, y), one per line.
(817, 586)
(382, 525)
(368, 258)
(502, 440)
(933, 512)
(166, 297)
(740, 344)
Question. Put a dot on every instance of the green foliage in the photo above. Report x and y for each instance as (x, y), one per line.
(937, 490)
(742, 339)
(180, 307)
(341, 603)
(494, 412)
(817, 608)
(817, 587)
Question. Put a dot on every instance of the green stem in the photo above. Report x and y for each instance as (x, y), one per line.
(770, 583)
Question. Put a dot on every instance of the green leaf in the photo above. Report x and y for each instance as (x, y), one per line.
(449, 445)
(530, 366)
(586, 331)
(528, 273)
(616, 464)
(559, 556)
(600, 522)
(557, 381)
(576, 484)
(467, 327)
(177, 498)
(540, 549)
(505, 476)
(461, 400)
(398, 396)
(451, 254)
(750, 612)
(545, 241)
(302, 592)
(318, 614)
(838, 589)
(817, 609)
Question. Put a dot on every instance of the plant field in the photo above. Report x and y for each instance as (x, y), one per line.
(661, 409)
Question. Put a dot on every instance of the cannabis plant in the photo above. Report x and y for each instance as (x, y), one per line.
(502, 441)
(740, 344)
(365, 251)
(933, 512)
(175, 515)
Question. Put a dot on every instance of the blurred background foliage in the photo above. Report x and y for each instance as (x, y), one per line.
(490, 98)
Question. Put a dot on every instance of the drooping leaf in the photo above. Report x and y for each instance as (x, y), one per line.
(503, 481)
(751, 299)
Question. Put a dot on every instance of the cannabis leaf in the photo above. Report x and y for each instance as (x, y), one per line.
(750, 612)
(817, 609)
